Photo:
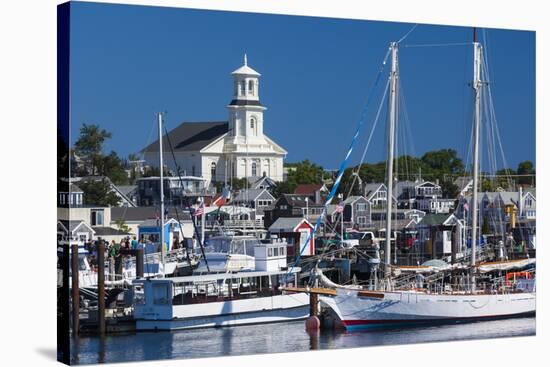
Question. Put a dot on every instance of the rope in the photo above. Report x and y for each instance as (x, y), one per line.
(437, 44)
(407, 34)
(345, 162)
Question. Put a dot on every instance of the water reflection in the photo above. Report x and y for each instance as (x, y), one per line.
(274, 338)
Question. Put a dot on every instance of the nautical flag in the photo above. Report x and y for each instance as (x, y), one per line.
(199, 210)
(224, 198)
(339, 208)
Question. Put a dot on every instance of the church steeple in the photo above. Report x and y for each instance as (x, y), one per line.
(245, 109)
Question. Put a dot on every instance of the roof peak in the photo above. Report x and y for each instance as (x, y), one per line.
(245, 69)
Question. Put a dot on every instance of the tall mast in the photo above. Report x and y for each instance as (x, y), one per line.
(161, 169)
(477, 83)
(392, 116)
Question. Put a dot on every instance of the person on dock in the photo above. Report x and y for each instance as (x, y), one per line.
(134, 243)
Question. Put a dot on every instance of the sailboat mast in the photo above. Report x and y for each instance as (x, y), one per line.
(391, 140)
(477, 117)
(161, 170)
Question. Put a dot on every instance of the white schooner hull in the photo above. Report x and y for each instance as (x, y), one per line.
(357, 309)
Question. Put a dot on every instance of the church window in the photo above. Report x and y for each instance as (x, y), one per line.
(236, 91)
(243, 88)
(213, 171)
(193, 170)
(252, 122)
(254, 169)
(251, 87)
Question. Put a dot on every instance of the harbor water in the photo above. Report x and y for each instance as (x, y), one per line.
(277, 338)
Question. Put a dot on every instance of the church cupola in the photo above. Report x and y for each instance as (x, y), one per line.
(245, 109)
(245, 86)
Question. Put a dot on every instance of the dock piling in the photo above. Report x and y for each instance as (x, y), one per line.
(75, 289)
(139, 263)
(101, 288)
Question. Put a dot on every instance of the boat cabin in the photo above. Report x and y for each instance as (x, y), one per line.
(154, 299)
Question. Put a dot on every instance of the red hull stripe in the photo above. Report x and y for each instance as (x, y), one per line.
(403, 321)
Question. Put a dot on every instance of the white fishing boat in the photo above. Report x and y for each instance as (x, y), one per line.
(222, 299)
(387, 305)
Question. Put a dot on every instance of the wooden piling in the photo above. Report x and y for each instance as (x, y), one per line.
(313, 304)
(75, 289)
(101, 288)
(63, 320)
(139, 263)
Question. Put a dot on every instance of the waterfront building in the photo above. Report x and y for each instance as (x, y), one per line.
(220, 151)
(295, 231)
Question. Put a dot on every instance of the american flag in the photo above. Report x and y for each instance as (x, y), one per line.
(199, 210)
(339, 208)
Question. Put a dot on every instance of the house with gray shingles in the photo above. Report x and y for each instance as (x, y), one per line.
(261, 183)
(376, 195)
(124, 200)
(527, 205)
(429, 198)
(74, 230)
(292, 205)
(69, 194)
(437, 232)
(357, 212)
(258, 199)
(492, 205)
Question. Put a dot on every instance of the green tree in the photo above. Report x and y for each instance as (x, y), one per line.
(113, 167)
(121, 224)
(526, 168)
(449, 189)
(304, 172)
(99, 193)
(89, 146)
(443, 161)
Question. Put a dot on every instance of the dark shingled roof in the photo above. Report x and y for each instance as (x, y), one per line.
(142, 213)
(191, 136)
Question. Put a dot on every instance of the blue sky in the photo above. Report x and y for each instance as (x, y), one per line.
(129, 62)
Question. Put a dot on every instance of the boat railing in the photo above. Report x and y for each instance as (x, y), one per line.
(243, 223)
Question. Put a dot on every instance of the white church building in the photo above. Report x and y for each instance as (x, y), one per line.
(220, 150)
